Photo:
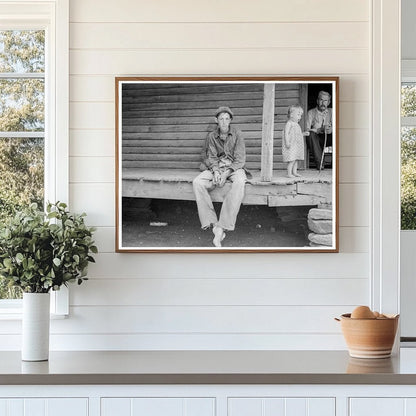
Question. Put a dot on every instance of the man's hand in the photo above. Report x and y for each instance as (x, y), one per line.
(217, 177)
(223, 177)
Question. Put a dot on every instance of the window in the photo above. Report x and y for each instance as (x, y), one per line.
(33, 111)
(22, 124)
(408, 154)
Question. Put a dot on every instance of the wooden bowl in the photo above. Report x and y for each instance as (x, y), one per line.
(369, 338)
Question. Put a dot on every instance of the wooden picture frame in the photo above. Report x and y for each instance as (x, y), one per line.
(162, 128)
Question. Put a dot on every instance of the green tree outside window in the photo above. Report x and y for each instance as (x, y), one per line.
(22, 110)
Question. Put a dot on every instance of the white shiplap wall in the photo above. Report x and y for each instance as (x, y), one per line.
(179, 301)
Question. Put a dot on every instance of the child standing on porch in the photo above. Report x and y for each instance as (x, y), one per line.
(293, 148)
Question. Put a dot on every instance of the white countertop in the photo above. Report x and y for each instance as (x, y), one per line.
(208, 367)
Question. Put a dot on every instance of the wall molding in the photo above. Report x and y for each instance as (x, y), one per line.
(385, 117)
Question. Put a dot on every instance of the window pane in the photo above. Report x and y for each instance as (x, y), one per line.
(22, 109)
(22, 105)
(21, 182)
(21, 173)
(408, 178)
(22, 51)
(408, 99)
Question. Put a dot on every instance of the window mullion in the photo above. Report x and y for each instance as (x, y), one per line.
(408, 121)
(21, 75)
(24, 134)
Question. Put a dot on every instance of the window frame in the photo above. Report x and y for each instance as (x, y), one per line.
(408, 76)
(53, 17)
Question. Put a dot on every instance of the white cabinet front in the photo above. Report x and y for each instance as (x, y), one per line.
(382, 406)
(281, 406)
(160, 406)
(44, 407)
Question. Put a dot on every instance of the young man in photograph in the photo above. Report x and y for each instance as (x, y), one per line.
(224, 159)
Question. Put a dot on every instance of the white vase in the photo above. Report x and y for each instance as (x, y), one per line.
(35, 326)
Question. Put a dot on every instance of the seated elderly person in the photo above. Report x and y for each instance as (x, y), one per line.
(224, 158)
(319, 125)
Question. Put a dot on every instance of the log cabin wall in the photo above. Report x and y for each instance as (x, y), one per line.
(165, 125)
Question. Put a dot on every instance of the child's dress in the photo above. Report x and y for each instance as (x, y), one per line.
(296, 151)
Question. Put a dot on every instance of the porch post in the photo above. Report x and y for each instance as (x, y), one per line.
(303, 98)
(267, 133)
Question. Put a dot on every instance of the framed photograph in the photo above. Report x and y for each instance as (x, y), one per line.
(235, 164)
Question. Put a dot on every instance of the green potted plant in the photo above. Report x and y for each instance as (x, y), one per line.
(40, 252)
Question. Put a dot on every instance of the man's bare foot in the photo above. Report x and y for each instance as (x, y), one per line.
(289, 175)
(219, 236)
(297, 175)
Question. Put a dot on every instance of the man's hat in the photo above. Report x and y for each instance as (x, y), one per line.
(224, 110)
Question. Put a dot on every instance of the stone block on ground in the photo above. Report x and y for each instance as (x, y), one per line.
(315, 245)
(320, 226)
(321, 239)
(325, 205)
(320, 214)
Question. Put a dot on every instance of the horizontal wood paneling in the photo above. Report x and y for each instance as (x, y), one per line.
(92, 169)
(354, 170)
(354, 142)
(217, 11)
(249, 266)
(162, 113)
(217, 292)
(161, 320)
(201, 319)
(354, 239)
(102, 169)
(99, 88)
(105, 238)
(354, 114)
(258, 301)
(217, 35)
(94, 88)
(354, 205)
(96, 199)
(93, 143)
(190, 141)
(87, 115)
(101, 142)
(191, 341)
(92, 116)
(354, 88)
(219, 62)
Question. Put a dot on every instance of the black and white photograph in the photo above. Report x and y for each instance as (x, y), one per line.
(227, 164)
